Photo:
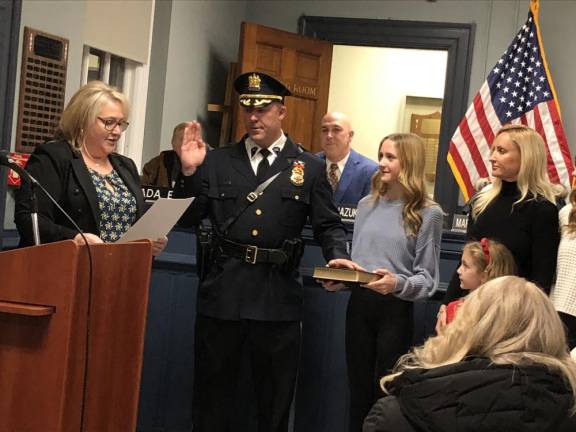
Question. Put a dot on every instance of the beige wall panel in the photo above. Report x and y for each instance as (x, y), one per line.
(120, 27)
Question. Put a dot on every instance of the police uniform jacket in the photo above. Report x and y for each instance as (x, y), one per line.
(62, 171)
(235, 289)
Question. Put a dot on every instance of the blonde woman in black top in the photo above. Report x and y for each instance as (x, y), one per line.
(519, 208)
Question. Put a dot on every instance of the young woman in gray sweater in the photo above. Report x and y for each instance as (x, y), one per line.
(397, 235)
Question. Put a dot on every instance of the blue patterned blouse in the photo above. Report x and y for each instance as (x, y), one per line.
(117, 208)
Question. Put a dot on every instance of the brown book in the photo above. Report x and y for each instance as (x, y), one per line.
(344, 275)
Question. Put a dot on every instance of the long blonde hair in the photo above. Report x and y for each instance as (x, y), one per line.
(532, 178)
(507, 320)
(411, 153)
(82, 109)
(491, 257)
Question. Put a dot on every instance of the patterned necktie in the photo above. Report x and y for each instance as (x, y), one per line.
(263, 166)
(333, 176)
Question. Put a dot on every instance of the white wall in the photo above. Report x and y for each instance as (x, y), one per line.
(123, 28)
(60, 18)
(203, 40)
(497, 21)
(559, 38)
(157, 79)
(70, 20)
(370, 84)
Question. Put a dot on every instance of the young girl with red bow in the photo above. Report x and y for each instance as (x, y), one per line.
(481, 261)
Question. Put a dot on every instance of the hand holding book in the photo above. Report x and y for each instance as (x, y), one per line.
(339, 271)
(324, 274)
(384, 285)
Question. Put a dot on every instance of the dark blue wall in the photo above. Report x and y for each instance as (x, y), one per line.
(321, 397)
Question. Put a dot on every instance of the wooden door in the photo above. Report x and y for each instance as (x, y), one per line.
(302, 64)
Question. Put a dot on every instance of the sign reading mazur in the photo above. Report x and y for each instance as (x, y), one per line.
(347, 214)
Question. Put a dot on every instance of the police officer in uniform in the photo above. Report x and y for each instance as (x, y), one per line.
(250, 299)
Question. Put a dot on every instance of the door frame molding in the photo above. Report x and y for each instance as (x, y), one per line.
(456, 38)
(10, 11)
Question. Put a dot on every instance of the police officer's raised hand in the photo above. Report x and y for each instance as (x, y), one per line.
(193, 149)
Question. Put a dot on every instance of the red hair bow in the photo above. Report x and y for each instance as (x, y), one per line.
(485, 243)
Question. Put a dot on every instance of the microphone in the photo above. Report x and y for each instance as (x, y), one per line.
(7, 161)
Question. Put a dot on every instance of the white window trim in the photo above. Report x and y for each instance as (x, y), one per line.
(85, 65)
(135, 87)
(106, 68)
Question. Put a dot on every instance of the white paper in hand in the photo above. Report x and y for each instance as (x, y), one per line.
(158, 220)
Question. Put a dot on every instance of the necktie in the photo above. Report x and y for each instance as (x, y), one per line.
(333, 176)
(263, 166)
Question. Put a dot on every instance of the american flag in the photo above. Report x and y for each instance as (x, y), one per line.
(518, 89)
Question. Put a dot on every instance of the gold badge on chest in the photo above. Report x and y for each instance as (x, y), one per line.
(297, 175)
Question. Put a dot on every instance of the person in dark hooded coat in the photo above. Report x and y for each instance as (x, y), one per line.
(501, 365)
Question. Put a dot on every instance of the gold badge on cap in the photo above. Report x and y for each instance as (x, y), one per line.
(254, 81)
(297, 175)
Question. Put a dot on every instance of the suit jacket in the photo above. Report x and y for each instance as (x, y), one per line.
(235, 289)
(159, 170)
(61, 170)
(355, 180)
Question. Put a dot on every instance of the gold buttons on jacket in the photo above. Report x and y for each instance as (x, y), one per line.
(254, 232)
(258, 212)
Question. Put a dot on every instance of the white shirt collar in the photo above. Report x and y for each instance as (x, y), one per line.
(275, 148)
(341, 164)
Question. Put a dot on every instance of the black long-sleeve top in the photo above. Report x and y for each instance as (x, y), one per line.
(529, 229)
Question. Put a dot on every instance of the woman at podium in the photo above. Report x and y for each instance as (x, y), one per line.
(97, 187)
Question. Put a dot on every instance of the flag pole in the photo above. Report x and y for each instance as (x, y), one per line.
(535, 9)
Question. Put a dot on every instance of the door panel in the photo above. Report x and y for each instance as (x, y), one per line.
(302, 110)
(302, 64)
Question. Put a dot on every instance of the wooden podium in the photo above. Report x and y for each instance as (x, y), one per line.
(71, 354)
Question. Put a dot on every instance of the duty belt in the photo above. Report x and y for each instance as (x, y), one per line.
(253, 254)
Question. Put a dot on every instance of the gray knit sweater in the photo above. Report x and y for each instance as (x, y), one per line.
(380, 242)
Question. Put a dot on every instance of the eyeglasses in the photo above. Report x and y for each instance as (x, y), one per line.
(111, 123)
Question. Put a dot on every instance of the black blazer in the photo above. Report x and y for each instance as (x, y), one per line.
(235, 289)
(61, 170)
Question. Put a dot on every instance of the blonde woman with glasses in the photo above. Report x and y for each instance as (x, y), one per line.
(96, 186)
(501, 365)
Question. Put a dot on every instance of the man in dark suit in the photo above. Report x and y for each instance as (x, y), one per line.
(349, 173)
(249, 302)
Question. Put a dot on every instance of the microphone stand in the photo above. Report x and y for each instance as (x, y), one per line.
(34, 213)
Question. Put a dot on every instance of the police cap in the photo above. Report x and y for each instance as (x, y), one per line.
(256, 89)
